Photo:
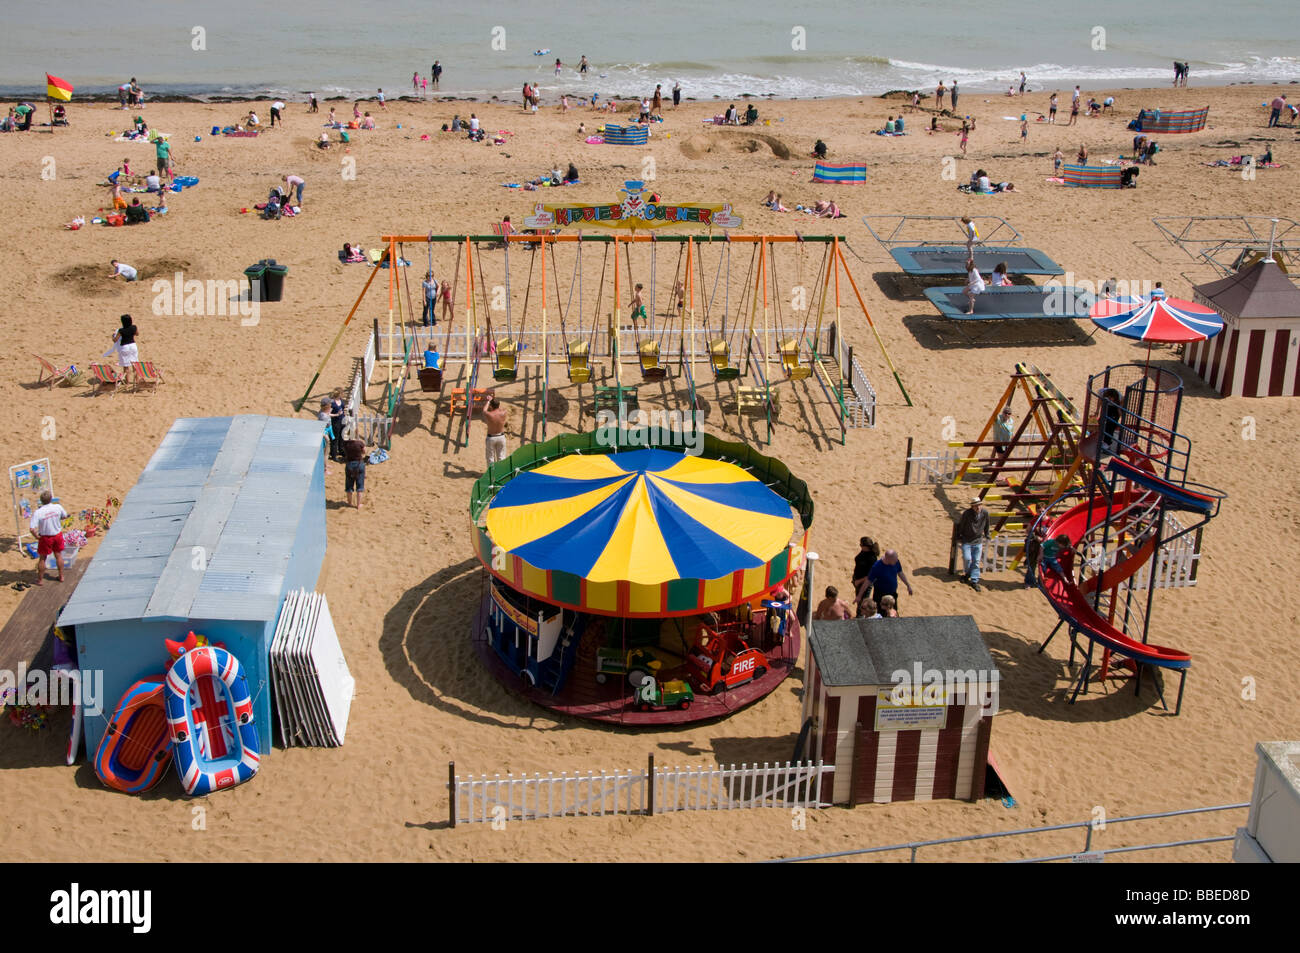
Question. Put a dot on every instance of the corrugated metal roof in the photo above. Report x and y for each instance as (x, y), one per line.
(208, 530)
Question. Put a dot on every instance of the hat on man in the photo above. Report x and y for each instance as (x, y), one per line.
(974, 500)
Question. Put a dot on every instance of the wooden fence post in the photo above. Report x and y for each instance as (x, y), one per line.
(907, 464)
(650, 785)
(451, 791)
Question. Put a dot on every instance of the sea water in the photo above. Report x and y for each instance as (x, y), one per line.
(723, 49)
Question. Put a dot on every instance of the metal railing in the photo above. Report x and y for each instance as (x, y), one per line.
(1087, 853)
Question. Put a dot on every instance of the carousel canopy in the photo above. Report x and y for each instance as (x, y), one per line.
(645, 517)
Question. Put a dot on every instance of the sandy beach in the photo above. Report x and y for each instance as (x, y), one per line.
(400, 577)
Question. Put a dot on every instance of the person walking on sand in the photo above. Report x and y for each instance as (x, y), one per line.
(886, 574)
(1277, 105)
(47, 526)
(953, 94)
(965, 135)
(354, 467)
(970, 532)
(677, 94)
(1051, 108)
(1024, 129)
(1022, 82)
(495, 419)
(382, 105)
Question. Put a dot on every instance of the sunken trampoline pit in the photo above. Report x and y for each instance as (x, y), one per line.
(922, 261)
(1018, 302)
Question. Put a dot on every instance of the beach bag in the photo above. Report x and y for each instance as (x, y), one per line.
(116, 220)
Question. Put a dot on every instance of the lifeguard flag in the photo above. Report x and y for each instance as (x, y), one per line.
(56, 88)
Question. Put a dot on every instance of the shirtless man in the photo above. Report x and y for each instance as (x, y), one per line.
(832, 607)
(495, 418)
(637, 304)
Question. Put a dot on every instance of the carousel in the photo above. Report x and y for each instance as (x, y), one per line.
(639, 584)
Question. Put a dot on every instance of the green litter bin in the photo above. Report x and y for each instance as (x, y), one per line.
(256, 275)
(273, 282)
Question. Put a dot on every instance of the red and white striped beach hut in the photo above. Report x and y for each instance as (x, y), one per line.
(1258, 353)
(903, 708)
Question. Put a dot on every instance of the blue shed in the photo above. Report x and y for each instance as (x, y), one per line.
(227, 517)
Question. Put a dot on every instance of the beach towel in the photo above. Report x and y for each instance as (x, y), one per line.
(245, 134)
(850, 174)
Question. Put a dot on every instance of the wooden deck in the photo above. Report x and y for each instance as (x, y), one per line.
(26, 636)
(583, 697)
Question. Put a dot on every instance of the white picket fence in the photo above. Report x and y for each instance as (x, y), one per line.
(939, 467)
(860, 401)
(497, 798)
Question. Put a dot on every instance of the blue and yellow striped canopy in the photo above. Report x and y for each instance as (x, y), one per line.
(642, 516)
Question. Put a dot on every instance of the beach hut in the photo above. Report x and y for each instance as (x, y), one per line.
(1258, 353)
(227, 517)
(903, 708)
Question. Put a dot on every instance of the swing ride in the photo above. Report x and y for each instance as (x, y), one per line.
(776, 330)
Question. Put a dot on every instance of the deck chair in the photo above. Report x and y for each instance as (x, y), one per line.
(720, 358)
(51, 375)
(147, 375)
(651, 369)
(105, 377)
(579, 353)
(794, 369)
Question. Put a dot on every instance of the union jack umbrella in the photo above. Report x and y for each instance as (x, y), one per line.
(1156, 320)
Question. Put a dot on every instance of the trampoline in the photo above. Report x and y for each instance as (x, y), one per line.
(924, 261)
(1061, 302)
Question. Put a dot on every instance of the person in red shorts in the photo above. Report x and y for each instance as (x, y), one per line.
(47, 524)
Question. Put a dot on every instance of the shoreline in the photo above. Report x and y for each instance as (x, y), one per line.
(205, 99)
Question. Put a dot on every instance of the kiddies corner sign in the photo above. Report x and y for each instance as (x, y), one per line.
(634, 211)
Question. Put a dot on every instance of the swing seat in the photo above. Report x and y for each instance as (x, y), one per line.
(579, 365)
(507, 367)
(431, 379)
(651, 369)
(794, 370)
(720, 359)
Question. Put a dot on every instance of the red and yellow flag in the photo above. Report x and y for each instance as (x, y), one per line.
(56, 88)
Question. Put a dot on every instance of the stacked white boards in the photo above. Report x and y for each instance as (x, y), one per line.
(310, 678)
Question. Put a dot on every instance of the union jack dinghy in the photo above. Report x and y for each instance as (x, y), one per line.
(210, 714)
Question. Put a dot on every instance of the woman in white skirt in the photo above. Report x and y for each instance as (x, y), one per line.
(127, 352)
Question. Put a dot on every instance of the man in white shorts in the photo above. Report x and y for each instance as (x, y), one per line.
(495, 418)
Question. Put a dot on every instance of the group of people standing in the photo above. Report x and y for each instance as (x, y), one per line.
(876, 577)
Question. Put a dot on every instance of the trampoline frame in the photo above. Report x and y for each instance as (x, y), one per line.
(1070, 293)
(901, 222)
(1222, 251)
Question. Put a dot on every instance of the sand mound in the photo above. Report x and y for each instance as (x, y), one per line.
(698, 147)
(93, 281)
